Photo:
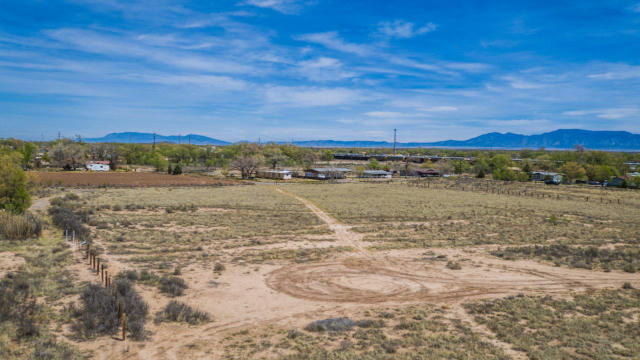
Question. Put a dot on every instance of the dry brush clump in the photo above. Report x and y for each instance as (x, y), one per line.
(67, 214)
(20, 227)
(176, 311)
(99, 312)
(622, 257)
(172, 285)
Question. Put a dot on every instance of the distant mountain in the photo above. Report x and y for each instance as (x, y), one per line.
(558, 139)
(147, 138)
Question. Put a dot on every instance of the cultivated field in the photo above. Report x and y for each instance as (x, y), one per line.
(361, 270)
(122, 179)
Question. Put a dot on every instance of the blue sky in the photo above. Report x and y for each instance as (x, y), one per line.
(317, 69)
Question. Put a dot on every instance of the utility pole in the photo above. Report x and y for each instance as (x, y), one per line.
(154, 141)
(394, 141)
(58, 135)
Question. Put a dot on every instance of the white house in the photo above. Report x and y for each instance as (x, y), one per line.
(98, 166)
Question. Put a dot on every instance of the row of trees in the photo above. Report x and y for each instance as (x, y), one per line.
(579, 164)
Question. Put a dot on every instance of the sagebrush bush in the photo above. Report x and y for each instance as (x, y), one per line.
(65, 217)
(173, 286)
(20, 227)
(18, 304)
(333, 324)
(181, 312)
(99, 312)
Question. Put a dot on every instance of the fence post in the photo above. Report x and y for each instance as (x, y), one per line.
(102, 274)
(73, 238)
(98, 266)
(66, 236)
(124, 327)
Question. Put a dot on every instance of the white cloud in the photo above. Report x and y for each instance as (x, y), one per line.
(323, 69)
(403, 29)
(518, 83)
(283, 6)
(312, 96)
(332, 40)
(610, 113)
(620, 72)
(108, 45)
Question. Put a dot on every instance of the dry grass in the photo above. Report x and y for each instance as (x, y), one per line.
(415, 332)
(399, 216)
(603, 325)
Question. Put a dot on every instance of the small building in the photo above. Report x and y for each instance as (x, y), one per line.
(274, 174)
(376, 174)
(428, 172)
(326, 173)
(98, 166)
(547, 176)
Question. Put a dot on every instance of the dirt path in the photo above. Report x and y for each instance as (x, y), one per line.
(343, 233)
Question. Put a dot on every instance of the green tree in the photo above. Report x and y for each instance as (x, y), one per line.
(28, 153)
(177, 170)
(373, 164)
(14, 195)
(574, 171)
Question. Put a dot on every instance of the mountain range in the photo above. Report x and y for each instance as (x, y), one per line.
(558, 139)
(148, 138)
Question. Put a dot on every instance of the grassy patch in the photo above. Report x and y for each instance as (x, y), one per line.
(625, 258)
(603, 325)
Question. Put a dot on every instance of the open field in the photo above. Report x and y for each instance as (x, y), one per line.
(400, 271)
(123, 179)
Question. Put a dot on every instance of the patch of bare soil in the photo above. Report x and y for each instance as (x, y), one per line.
(9, 262)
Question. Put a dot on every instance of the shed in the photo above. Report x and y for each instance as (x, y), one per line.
(428, 172)
(274, 174)
(326, 173)
(376, 174)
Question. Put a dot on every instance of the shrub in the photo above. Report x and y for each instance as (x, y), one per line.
(174, 286)
(99, 312)
(18, 304)
(218, 267)
(49, 348)
(181, 312)
(627, 286)
(333, 324)
(454, 265)
(20, 227)
(14, 196)
(63, 216)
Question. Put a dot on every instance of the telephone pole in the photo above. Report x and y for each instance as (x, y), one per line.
(394, 141)
(154, 141)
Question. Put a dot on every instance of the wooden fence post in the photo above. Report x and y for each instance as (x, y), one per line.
(124, 327)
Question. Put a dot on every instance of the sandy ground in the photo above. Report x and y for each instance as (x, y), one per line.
(9, 262)
(292, 295)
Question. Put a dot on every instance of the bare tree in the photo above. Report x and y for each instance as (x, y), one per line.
(69, 156)
(247, 164)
